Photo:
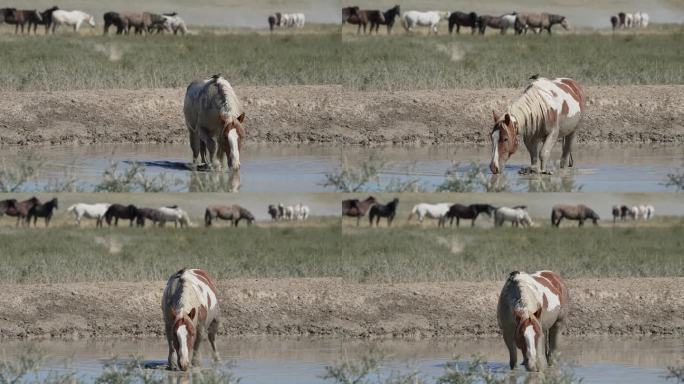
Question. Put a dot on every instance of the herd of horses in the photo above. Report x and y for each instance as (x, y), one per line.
(630, 20)
(290, 212)
(54, 17)
(447, 212)
(519, 22)
(286, 20)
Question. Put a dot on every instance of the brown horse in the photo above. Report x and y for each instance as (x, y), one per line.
(346, 13)
(140, 22)
(358, 17)
(356, 208)
(20, 210)
(234, 213)
(21, 17)
(377, 18)
(573, 212)
(44, 210)
(541, 21)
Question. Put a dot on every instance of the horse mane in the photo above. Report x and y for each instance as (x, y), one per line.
(528, 298)
(229, 100)
(531, 109)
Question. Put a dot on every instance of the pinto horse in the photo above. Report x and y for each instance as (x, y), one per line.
(546, 111)
(234, 213)
(470, 212)
(118, 211)
(20, 210)
(532, 308)
(190, 308)
(42, 210)
(573, 212)
(356, 208)
(462, 19)
(214, 119)
(388, 211)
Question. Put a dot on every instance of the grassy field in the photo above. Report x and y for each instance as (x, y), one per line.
(398, 62)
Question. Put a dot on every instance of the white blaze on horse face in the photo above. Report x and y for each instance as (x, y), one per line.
(495, 150)
(234, 151)
(183, 358)
(531, 347)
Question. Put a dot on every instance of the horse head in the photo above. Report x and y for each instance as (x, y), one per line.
(527, 334)
(91, 20)
(232, 136)
(504, 141)
(184, 334)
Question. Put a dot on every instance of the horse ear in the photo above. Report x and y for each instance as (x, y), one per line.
(241, 118)
(191, 315)
(507, 119)
(495, 115)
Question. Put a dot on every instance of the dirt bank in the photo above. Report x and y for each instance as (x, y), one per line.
(298, 114)
(634, 306)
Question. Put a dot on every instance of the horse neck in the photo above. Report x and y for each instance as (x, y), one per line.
(529, 111)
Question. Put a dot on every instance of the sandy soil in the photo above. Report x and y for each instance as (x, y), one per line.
(634, 306)
(322, 114)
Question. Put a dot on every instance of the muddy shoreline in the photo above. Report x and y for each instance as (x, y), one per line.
(327, 114)
(330, 306)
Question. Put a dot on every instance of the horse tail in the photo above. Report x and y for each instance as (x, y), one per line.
(207, 217)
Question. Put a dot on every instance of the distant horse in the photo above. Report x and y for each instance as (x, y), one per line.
(174, 23)
(432, 211)
(71, 18)
(45, 19)
(292, 20)
(462, 19)
(649, 212)
(274, 212)
(175, 214)
(644, 19)
(517, 216)
(357, 17)
(20, 210)
(7, 15)
(546, 111)
(190, 309)
(387, 211)
(503, 22)
(573, 212)
(272, 20)
(288, 212)
(429, 19)
(470, 212)
(151, 214)
(234, 213)
(21, 17)
(625, 212)
(387, 18)
(300, 212)
(541, 21)
(356, 208)
(89, 211)
(214, 120)
(117, 20)
(118, 211)
(139, 22)
(622, 17)
(154, 21)
(614, 22)
(9, 204)
(616, 213)
(531, 313)
(347, 12)
(44, 210)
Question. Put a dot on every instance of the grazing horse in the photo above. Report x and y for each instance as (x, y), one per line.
(502, 22)
(546, 111)
(573, 212)
(117, 20)
(469, 212)
(616, 213)
(45, 19)
(72, 18)
(118, 211)
(429, 19)
(89, 211)
(190, 308)
(173, 22)
(539, 21)
(432, 211)
(175, 214)
(42, 210)
(614, 22)
(388, 211)
(147, 214)
(21, 17)
(387, 18)
(531, 313)
(234, 213)
(356, 208)
(214, 120)
(300, 212)
(518, 216)
(462, 19)
(20, 210)
(274, 212)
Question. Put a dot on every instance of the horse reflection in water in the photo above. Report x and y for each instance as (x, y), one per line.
(536, 183)
(214, 182)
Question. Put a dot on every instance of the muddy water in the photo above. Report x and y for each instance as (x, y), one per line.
(302, 168)
(303, 360)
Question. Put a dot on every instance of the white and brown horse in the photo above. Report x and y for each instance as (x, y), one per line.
(190, 308)
(532, 307)
(214, 119)
(546, 111)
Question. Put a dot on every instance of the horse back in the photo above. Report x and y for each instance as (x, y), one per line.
(556, 297)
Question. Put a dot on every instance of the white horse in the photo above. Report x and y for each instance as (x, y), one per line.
(72, 18)
(175, 214)
(649, 212)
(629, 20)
(300, 212)
(644, 19)
(508, 21)
(297, 20)
(175, 24)
(288, 212)
(432, 211)
(89, 211)
(428, 19)
(517, 216)
(636, 20)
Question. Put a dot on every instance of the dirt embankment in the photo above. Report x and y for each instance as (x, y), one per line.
(321, 114)
(631, 306)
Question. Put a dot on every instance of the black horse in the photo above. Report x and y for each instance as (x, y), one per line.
(42, 210)
(388, 211)
(147, 213)
(274, 212)
(45, 19)
(376, 18)
(118, 211)
(115, 19)
(462, 19)
(470, 212)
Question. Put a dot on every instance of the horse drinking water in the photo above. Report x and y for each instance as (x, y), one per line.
(546, 111)
(531, 309)
(190, 309)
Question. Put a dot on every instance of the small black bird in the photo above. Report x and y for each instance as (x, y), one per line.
(534, 77)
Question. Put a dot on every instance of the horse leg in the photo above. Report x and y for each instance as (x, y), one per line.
(211, 148)
(211, 335)
(172, 351)
(509, 339)
(581, 223)
(554, 336)
(195, 361)
(358, 220)
(566, 157)
(546, 148)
